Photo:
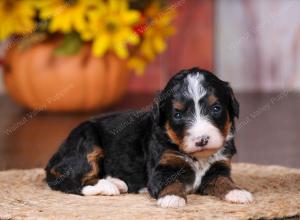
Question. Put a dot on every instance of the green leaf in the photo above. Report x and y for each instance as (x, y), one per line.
(70, 45)
(30, 40)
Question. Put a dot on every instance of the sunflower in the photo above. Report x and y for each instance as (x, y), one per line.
(16, 17)
(111, 28)
(66, 15)
(154, 30)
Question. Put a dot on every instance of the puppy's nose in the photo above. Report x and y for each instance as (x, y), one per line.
(203, 141)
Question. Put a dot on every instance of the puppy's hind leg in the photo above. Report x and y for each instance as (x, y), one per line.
(77, 166)
(77, 162)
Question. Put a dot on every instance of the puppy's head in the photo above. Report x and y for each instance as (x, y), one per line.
(197, 111)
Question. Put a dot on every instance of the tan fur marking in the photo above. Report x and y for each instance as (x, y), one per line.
(172, 135)
(212, 99)
(178, 105)
(176, 188)
(175, 139)
(55, 173)
(170, 158)
(221, 185)
(93, 158)
(204, 153)
(227, 126)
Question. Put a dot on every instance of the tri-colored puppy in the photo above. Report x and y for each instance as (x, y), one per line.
(183, 144)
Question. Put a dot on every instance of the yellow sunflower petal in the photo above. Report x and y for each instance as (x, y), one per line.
(159, 44)
(17, 17)
(100, 45)
(67, 17)
(79, 23)
(120, 49)
(131, 37)
(147, 51)
(115, 5)
(138, 65)
(131, 17)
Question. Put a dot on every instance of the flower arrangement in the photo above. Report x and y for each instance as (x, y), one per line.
(135, 30)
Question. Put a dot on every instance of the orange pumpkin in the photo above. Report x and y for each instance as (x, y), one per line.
(38, 79)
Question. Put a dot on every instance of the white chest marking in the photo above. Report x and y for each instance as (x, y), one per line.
(201, 167)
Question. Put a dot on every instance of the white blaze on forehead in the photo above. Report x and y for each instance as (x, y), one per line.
(201, 125)
(195, 89)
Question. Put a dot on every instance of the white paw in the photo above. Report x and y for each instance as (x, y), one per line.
(103, 187)
(171, 201)
(143, 190)
(120, 184)
(239, 196)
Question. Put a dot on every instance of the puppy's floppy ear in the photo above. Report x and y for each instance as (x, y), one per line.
(234, 105)
(156, 113)
(159, 103)
(165, 95)
(157, 108)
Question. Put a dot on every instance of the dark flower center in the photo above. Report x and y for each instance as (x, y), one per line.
(8, 5)
(111, 27)
(70, 2)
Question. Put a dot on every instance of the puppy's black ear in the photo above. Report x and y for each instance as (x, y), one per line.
(234, 106)
(159, 104)
(156, 109)
(164, 97)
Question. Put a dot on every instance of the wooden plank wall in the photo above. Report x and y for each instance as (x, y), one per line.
(258, 44)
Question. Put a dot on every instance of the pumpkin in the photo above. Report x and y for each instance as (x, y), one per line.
(39, 80)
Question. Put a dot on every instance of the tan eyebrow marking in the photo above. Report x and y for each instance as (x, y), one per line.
(178, 105)
(212, 99)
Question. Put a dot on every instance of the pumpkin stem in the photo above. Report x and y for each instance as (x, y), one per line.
(5, 65)
(86, 57)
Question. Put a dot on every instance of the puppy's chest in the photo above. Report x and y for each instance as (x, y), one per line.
(200, 167)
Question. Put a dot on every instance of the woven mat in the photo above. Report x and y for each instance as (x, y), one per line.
(25, 195)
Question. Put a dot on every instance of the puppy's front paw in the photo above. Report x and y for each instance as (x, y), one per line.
(171, 201)
(239, 196)
(120, 184)
(103, 187)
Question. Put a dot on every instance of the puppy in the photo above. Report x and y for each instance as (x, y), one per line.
(183, 144)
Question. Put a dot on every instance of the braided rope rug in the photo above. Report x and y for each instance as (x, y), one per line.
(276, 190)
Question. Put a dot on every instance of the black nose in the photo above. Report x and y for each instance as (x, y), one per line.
(203, 141)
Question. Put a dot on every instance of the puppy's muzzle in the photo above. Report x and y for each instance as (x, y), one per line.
(203, 141)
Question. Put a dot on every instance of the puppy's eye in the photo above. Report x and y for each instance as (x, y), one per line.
(216, 110)
(178, 115)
